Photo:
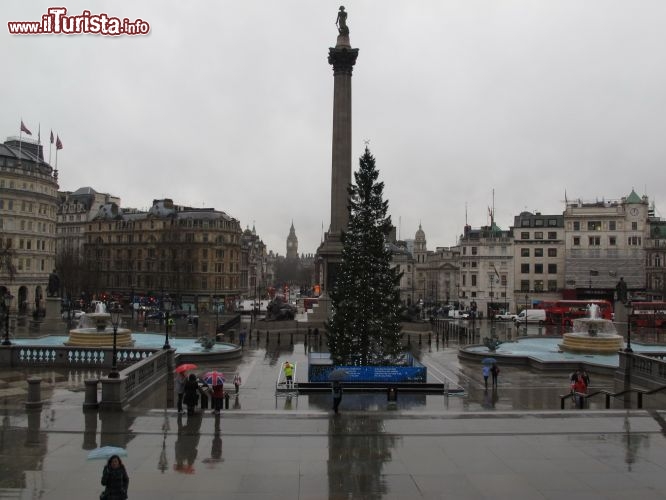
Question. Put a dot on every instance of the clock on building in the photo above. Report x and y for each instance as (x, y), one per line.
(633, 211)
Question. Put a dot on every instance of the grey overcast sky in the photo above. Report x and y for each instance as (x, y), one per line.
(229, 105)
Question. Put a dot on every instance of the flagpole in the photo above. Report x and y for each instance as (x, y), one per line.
(50, 144)
(39, 140)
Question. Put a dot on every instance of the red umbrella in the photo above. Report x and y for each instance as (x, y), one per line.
(214, 378)
(185, 367)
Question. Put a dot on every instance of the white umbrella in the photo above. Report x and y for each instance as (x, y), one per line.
(105, 452)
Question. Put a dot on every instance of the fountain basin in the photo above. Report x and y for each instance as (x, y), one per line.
(591, 344)
(92, 337)
(592, 335)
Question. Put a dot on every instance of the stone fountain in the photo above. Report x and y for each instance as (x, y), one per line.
(95, 330)
(592, 335)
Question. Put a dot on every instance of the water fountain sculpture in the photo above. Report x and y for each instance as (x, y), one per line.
(95, 330)
(592, 335)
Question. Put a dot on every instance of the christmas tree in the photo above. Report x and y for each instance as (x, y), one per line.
(364, 328)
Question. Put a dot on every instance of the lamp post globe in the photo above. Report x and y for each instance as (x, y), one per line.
(166, 304)
(8, 302)
(115, 321)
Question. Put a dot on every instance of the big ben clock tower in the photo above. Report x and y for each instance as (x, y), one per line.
(292, 243)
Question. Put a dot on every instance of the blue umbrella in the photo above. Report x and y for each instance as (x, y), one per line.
(488, 361)
(105, 452)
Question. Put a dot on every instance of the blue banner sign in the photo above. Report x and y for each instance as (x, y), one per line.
(416, 374)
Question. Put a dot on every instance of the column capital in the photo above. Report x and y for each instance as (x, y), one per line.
(342, 59)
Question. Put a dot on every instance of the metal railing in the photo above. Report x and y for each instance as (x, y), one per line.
(610, 395)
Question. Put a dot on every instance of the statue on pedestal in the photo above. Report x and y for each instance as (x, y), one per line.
(341, 21)
(621, 291)
(53, 289)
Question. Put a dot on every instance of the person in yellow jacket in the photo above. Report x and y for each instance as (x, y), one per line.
(288, 369)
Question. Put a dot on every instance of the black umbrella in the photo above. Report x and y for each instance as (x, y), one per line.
(338, 374)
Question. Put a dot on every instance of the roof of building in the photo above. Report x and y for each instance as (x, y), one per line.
(633, 198)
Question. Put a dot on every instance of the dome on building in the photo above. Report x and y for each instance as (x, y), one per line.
(420, 234)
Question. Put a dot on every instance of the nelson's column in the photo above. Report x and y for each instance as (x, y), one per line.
(342, 57)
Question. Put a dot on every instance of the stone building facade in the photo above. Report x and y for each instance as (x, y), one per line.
(191, 254)
(539, 258)
(605, 240)
(28, 194)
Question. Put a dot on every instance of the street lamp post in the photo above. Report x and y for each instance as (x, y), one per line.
(166, 304)
(8, 303)
(527, 303)
(628, 349)
(115, 321)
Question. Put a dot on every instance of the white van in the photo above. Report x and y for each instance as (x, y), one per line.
(532, 316)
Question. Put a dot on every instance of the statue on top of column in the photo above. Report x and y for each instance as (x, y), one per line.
(341, 21)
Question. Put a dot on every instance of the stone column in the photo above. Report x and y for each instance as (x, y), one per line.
(342, 57)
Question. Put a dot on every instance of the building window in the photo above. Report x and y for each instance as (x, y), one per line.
(524, 235)
(634, 226)
(524, 285)
(538, 268)
(594, 241)
(634, 241)
(474, 251)
(552, 285)
(464, 280)
(538, 235)
(576, 241)
(552, 268)
(464, 250)
(594, 225)
(538, 252)
(473, 294)
(525, 268)
(524, 223)
(612, 225)
(552, 222)
(552, 235)
(612, 241)
(538, 285)
(538, 223)
(524, 252)
(576, 225)
(552, 252)
(474, 264)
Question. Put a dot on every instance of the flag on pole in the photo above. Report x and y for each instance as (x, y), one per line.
(496, 273)
(58, 143)
(51, 136)
(25, 129)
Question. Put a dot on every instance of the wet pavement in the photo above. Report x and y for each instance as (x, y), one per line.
(512, 442)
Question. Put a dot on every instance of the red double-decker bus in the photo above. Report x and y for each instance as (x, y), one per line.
(563, 312)
(648, 314)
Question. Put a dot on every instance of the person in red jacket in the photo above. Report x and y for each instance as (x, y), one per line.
(579, 389)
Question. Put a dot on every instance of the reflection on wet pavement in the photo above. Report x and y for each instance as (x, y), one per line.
(511, 442)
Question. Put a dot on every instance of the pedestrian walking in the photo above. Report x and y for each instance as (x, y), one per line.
(115, 480)
(191, 396)
(217, 397)
(486, 374)
(494, 371)
(237, 382)
(579, 390)
(336, 389)
(180, 389)
(288, 369)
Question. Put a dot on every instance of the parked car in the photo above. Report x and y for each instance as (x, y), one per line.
(74, 314)
(506, 316)
(531, 316)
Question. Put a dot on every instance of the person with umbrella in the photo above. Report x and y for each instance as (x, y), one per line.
(337, 395)
(216, 380)
(115, 480)
(181, 379)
